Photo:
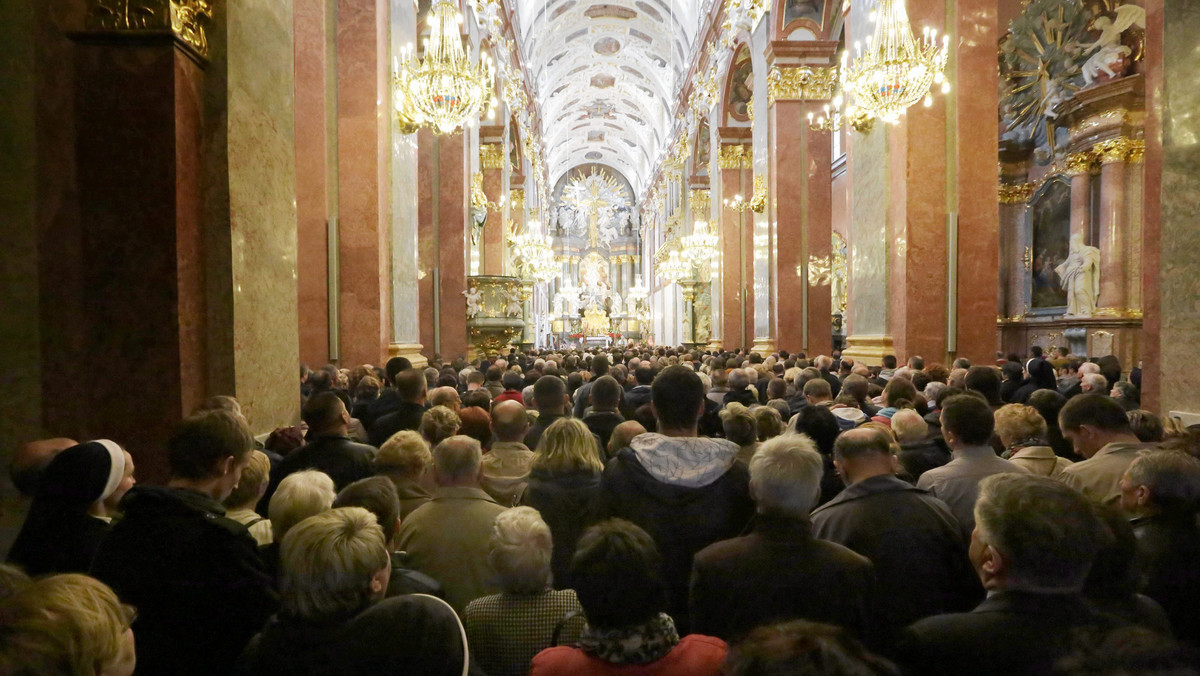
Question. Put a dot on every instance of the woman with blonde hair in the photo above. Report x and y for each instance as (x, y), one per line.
(438, 424)
(67, 625)
(563, 482)
(1022, 430)
(506, 630)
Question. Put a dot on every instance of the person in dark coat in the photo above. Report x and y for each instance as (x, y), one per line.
(739, 389)
(563, 484)
(780, 571)
(388, 399)
(406, 415)
(1033, 543)
(603, 416)
(194, 575)
(76, 497)
(1162, 490)
(911, 537)
(1041, 377)
(332, 621)
(687, 492)
(550, 398)
(639, 395)
(329, 448)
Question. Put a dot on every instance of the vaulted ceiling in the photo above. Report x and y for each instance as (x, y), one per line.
(606, 75)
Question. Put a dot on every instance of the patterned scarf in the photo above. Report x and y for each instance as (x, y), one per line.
(640, 644)
(1018, 445)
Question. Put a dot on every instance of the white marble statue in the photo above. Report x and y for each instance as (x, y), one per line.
(513, 306)
(1109, 51)
(1080, 276)
(631, 306)
(616, 303)
(474, 301)
(560, 304)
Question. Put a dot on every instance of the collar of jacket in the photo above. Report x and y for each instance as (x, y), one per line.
(1033, 603)
(507, 449)
(883, 483)
(461, 493)
(974, 453)
(779, 527)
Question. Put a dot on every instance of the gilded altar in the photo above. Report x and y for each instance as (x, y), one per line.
(495, 312)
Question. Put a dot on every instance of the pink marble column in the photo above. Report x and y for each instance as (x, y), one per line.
(1081, 200)
(732, 329)
(363, 187)
(493, 187)
(1112, 236)
(427, 244)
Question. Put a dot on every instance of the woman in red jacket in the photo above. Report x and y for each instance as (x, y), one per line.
(615, 572)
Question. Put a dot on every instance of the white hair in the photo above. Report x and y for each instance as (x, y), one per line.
(932, 390)
(1088, 367)
(299, 496)
(520, 549)
(327, 562)
(457, 458)
(1098, 383)
(909, 426)
(706, 381)
(785, 475)
(792, 374)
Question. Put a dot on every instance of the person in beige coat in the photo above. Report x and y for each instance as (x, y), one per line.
(448, 537)
(1022, 430)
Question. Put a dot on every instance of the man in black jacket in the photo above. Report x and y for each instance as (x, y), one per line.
(329, 448)
(780, 571)
(686, 491)
(550, 398)
(194, 575)
(1033, 544)
(411, 388)
(912, 538)
(640, 394)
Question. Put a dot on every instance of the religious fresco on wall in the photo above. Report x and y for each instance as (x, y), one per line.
(703, 150)
(1050, 223)
(812, 10)
(741, 85)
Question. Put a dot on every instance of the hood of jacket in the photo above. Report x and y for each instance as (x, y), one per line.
(691, 462)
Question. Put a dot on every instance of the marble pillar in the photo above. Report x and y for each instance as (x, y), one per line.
(491, 162)
(1172, 274)
(316, 175)
(1112, 244)
(1081, 201)
(735, 162)
(406, 318)
(364, 149)
(764, 240)
(443, 187)
(801, 197)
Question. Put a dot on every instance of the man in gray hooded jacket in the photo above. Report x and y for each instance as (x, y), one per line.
(686, 491)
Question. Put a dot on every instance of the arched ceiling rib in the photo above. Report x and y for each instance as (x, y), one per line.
(606, 74)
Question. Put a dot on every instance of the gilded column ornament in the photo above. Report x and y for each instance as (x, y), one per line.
(700, 201)
(1079, 163)
(491, 155)
(516, 198)
(735, 157)
(801, 83)
(1016, 193)
(479, 198)
(1119, 149)
(186, 20)
(758, 202)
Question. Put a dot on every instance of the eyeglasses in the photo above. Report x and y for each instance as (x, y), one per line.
(131, 614)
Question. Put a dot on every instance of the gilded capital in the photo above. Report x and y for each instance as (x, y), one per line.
(801, 83)
(186, 20)
(735, 157)
(699, 201)
(491, 155)
(1016, 193)
(1120, 149)
(1079, 163)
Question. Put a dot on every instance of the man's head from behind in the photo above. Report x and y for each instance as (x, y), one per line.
(785, 476)
(1089, 421)
(967, 420)
(509, 421)
(445, 396)
(211, 448)
(644, 375)
(986, 381)
(605, 393)
(550, 394)
(863, 453)
(1033, 533)
(378, 496)
(456, 461)
(678, 398)
(333, 564)
(411, 386)
(325, 413)
(909, 426)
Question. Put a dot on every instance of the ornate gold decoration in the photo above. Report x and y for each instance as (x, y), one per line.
(758, 201)
(516, 197)
(1116, 115)
(187, 20)
(1079, 163)
(1119, 149)
(445, 87)
(1016, 193)
(801, 83)
(491, 155)
(700, 201)
(750, 109)
(735, 156)
(1027, 258)
(896, 70)
(479, 198)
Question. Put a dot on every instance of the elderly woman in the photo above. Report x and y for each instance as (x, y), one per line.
(71, 511)
(439, 423)
(769, 422)
(1023, 432)
(67, 625)
(299, 496)
(506, 630)
(563, 481)
(617, 576)
(741, 427)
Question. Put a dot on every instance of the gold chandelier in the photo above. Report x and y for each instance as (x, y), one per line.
(675, 267)
(700, 247)
(443, 90)
(536, 257)
(896, 70)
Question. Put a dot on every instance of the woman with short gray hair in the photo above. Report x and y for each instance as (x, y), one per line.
(507, 629)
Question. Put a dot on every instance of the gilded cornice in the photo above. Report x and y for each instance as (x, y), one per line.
(1120, 149)
(801, 83)
(186, 20)
(1016, 193)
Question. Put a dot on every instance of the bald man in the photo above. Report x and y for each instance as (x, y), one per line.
(506, 466)
(623, 434)
(31, 458)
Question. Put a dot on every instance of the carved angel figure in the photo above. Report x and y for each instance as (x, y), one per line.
(513, 307)
(1110, 53)
(1080, 276)
(474, 301)
(616, 303)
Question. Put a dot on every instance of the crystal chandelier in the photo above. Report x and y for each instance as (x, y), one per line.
(675, 267)
(638, 293)
(444, 89)
(536, 257)
(896, 70)
(700, 247)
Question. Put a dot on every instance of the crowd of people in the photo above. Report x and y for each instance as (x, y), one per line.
(628, 511)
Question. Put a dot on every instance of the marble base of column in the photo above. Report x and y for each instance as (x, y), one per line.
(410, 351)
(869, 350)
